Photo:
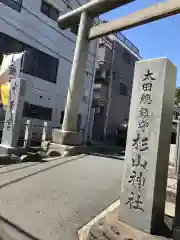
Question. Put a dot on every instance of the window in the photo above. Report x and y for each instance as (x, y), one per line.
(40, 65)
(123, 89)
(10, 45)
(126, 56)
(74, 29)
(35, 63)
(49, 10)
(14, 4)
(37, 112)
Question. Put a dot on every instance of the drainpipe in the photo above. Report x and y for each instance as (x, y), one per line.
(109, 89)
(91, 96)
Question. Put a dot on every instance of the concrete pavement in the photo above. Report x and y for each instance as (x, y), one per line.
(52, 200)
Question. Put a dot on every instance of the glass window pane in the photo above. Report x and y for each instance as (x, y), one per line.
(54, 14)
(45, 8)
(30, 63)
(123, 89)
(49, 10)
(37, 112)
(74, 29)
(14, 4)
(35, 62)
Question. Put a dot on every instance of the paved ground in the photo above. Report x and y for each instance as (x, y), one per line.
(53, 200)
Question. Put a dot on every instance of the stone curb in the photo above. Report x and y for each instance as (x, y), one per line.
(91, 232)
(84, 231)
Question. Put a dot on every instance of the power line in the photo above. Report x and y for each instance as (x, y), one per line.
(111, 34)
(49, 26)
(31, 28)
(54, 30)
(59, 31)
(45, 35)
(30, 37)
(27, 10)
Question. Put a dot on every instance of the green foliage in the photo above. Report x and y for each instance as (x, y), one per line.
(177, 96)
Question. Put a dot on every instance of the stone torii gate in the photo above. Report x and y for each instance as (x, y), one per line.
(84, 17)
(70, 136)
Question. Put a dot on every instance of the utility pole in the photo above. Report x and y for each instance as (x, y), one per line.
(110, 88)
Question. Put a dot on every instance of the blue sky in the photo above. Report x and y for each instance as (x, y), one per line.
(157, 39)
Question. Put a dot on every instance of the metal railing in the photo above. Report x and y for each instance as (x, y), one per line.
(128, 43)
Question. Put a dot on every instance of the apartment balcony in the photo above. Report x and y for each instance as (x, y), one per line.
(100, 95)
(102, 76)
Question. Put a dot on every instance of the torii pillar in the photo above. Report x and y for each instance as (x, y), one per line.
(69, 135)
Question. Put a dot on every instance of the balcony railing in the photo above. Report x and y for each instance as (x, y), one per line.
(128, 43)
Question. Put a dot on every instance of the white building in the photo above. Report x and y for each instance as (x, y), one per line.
(31, 24)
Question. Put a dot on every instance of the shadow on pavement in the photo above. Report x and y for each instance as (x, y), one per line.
(109, 156)
(24, 167)
(37, 172)
(11, 160)
(14, 229)
(107, 150)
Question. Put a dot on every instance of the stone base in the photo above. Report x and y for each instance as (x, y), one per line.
(119, 231)
(67, 138)
(6, 151)
(109, 228)
(54, 149)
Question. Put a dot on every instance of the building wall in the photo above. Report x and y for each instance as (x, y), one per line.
(118, 80)
(32, 27)
(101, 89)
(123, 68)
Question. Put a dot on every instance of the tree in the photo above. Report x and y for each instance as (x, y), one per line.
(177, 97)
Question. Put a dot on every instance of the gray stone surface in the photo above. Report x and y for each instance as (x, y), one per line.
(75, 91)
(67, 137)
(65, 150)
(143, 189)
(94, 8)
(109, 228)
(52, 200)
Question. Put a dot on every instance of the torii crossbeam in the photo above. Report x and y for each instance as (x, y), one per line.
(147, 15)
(93, 8)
